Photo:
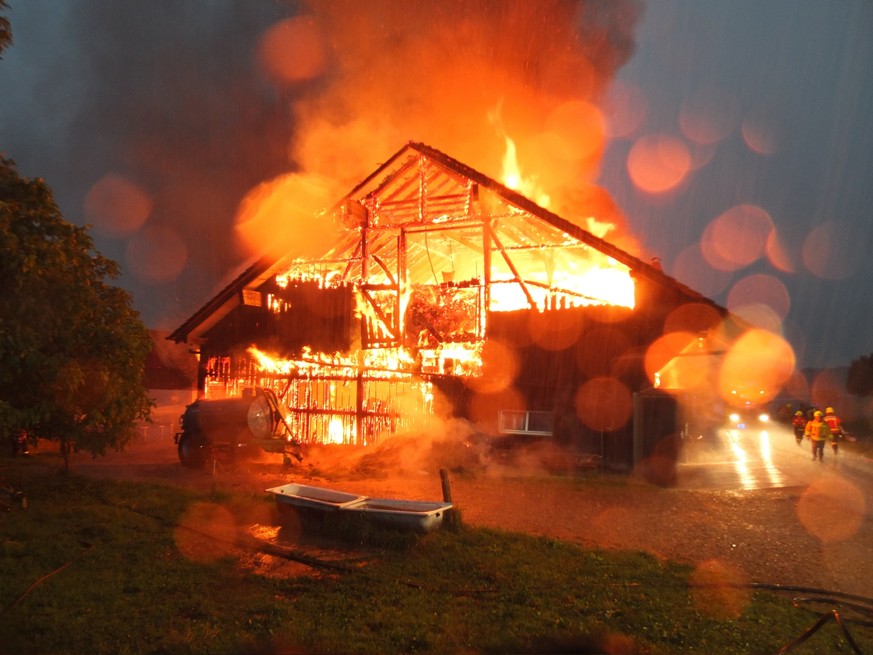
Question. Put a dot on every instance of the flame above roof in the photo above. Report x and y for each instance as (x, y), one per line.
(437, 206)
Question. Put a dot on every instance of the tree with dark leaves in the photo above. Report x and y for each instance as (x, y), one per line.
(5, 29)
(72, 349)
(860, 378)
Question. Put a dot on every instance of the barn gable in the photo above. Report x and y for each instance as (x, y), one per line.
(435, 261)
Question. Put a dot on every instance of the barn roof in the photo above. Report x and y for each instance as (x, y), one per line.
(437, 206)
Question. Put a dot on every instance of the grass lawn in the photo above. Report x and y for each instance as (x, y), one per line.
(95, 566)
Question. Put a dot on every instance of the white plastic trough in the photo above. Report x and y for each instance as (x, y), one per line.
(420, 516)
(302, 495)
(416, 515)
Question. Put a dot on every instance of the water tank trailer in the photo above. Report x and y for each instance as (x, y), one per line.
(235, 428)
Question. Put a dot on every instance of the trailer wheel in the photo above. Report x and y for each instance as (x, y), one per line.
(193, 449)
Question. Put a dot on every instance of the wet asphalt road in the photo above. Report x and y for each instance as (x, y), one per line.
(765, 457)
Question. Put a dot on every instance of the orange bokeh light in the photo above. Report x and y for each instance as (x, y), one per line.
(664, 350)
(116, 207)
(658, 163)
(834, 250)
(759, 134)
(604, 404)
(485, 407)
(720, 590)
(286, 215)
(499, 368)
(691, 265)
(828, 389)
(760, 289)
(554, 331)
(737, 237)
(778, 254)
(709, 115)
(755, 368)
(692, 317)
(575, 130)
(831, 509)
(293, 50)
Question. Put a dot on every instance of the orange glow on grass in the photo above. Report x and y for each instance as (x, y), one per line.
(720, 590)
(207, 532)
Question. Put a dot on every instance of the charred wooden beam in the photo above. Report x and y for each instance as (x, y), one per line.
(388, 326)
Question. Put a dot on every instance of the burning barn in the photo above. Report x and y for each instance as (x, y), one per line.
(449, 293)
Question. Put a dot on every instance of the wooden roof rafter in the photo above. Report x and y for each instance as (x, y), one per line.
(422, 190)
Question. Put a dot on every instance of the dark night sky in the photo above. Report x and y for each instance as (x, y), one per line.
(756, 117)
(788, 88)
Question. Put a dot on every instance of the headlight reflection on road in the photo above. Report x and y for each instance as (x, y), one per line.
(742, 459)
(746, 479)
(773, 473)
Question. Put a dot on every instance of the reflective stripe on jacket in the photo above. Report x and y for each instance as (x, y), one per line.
(817, 430)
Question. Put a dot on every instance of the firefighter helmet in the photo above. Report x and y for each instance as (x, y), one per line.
(798, 413)
(829, 410)
(817, 413)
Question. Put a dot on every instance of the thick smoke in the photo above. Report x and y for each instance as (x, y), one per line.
(462, 75)
(176, 107)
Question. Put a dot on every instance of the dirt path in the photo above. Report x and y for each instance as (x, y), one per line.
(818, 534)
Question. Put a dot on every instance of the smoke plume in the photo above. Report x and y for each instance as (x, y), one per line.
(460, 76)
(155, 125)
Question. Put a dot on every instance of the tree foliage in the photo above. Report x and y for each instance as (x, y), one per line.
(860, 379)
(72, 349)
(5, 29)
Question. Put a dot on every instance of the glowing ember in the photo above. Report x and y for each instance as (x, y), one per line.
(335, 431)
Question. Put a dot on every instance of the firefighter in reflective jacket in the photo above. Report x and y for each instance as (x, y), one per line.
(817, 431)
(799, 424)
(836, 427)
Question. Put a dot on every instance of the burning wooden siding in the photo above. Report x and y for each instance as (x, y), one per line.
(437, 262)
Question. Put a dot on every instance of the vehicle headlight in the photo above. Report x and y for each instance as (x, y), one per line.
(734, 417)
(764, 418)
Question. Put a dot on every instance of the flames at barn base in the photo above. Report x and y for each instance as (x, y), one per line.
(448, 294)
